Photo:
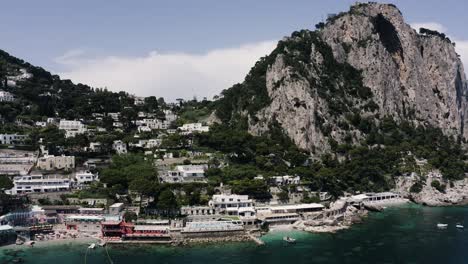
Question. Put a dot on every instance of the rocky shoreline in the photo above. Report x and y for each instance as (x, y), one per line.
(453, 193)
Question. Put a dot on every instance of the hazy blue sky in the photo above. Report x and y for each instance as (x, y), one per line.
(67, 36)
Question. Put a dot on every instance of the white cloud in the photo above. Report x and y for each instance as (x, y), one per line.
(429, 25)
(170, 75)
(69, 57)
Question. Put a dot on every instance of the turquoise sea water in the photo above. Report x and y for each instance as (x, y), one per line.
(398, 235)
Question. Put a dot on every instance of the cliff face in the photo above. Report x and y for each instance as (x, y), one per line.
(360, 66)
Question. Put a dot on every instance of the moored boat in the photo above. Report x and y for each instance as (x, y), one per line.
(92, 246)
(459, 226)
(442, 225)
(289, 239)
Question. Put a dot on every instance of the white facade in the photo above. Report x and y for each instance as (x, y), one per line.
(72, 127)
(120, 147)
(194, 127)
(114, 116)
(51, 162)
(6, 96)
(85, 177)
(95, 147)
(142, 129)
(12, 139)
(186, 173)
(153, 143)
(170, 116)
(230, 204)
(84, 223)
(139, 100)
(286, 180)
(116, 208)
(40, 183)
(41, 124)
(155, 123)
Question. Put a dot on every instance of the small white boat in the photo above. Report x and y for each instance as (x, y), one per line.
(19, 242)
(289, 239)
(442, 225)
(459, 226)
(92, 246)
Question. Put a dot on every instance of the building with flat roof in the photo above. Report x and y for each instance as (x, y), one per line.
(84, 223)
(85, 177)
(40, 183)
(193, 127)
(120, 147)
(230, 204)
(185, 173)
(13, 139)
(51, 162)
(72, 127)
(16, 163)
(116, 209)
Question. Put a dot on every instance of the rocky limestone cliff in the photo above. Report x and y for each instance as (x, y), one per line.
(366, 62)
(455, 193)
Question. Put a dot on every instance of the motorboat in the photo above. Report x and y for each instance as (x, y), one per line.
(92, 246)
(442, 225)
(289, 240)
(459, 226)
(19, 242)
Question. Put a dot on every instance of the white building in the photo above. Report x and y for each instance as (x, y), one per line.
(116, 209)
(170, 116)
(12, 139)
(230, 204)
(286, 180)
(155, 123)
(72, 127)
(114, 116)
(142, 129)
(6, 96)
(40, 124)
(84, 223)
(13, 164)
(40, 183)
(193, 127)
(51, 162)
(186, 173)
(153, 143)
(95, 147)
(86, 177)
(120, 147)
(139, 100)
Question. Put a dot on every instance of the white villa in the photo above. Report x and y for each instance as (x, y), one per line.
(120, 147)
(12, 139)
(186, 173)
(286, 180)
(193, 127)
(6, 96)
(86, 177)
(40, 183)
(231, 204)
(72, 127)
